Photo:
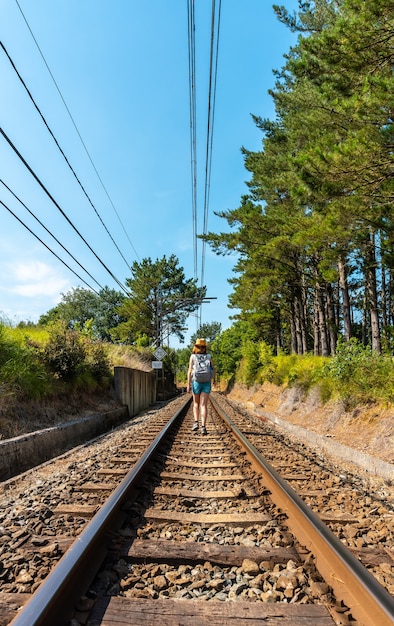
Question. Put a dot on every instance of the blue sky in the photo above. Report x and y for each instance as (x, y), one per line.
(122, 70)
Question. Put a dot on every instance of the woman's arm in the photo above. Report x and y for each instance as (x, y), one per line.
(189, 374)
(214, 372)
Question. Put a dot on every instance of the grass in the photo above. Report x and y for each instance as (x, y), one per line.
(356, 374)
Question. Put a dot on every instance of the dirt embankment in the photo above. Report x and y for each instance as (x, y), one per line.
(18, 418)
(369, 429)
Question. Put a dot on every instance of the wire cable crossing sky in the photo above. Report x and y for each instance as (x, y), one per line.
(75, 125)
(163, 95)
(62, 152)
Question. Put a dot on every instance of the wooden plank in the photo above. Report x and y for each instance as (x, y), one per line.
(170, 612)
(240, 519)
(210, 455)
(194, 493)
(332, 516)
(112, 472)
(372, 556)
(82, 510)
(41, 543)
(216, 477)
(97, 487)
(295, 477)
(189, 551)
(204, 465)
(126, 459)
(10, 604)
(212, 448)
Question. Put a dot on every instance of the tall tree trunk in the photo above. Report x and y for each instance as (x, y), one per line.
(298, 325)
(278, 330)
(332, 322)
(372, 294)
(293, 332)
(346, 311)
(322, 321)
(384, 297)
(364, 329)
(304, 318)
(316, 325)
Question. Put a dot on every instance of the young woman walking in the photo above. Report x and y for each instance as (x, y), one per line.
(199, 376)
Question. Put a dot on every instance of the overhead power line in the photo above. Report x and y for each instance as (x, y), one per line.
(48, 248)
(213, 67)
(48, 231)
(60, 209)
(76, 129)
(193, 124)
(61, 151)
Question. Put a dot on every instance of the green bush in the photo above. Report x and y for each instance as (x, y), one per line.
(249, 366)
(22, 374)
(96, 360)
(267, 365)
(307, 370)
(65, 353)
(360, 374)
(284, 364)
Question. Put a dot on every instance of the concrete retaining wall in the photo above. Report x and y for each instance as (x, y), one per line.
(26, 451)
(135, 388)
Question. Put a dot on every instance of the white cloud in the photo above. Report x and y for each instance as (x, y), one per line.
(35, 279)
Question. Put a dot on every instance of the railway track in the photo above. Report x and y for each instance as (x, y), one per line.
(204, 530)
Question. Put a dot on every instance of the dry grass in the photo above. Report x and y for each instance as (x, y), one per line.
(18, 417)
(21, 417)
(369, 429)
(123, 356)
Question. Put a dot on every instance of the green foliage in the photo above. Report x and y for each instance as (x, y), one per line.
(321, 186)
(95, 315)
(209, 331)
(361, 374)
(267, 367)
(97, 361)
(307, 370)
(21, 371)
(64, 354)
(72, 356)
(227, 348)
(283, 366)
(161, 298)
(249, 366)
(182, 364)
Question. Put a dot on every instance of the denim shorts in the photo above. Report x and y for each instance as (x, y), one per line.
(198, 388)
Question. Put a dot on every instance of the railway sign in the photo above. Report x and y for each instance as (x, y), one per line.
(160, 353)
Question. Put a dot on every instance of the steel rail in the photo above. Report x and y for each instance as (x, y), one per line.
(352, 583)
(54, 601)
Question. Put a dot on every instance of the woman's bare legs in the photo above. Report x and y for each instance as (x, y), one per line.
(204, 408)
(196, 407)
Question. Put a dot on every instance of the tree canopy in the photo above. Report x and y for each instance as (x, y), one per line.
(161, 299)
(82, 309)
(315, 232)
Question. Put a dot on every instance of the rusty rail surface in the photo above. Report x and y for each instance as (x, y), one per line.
(53, 601)
(360, 591)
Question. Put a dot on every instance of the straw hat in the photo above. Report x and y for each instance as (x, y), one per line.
(201, 343)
